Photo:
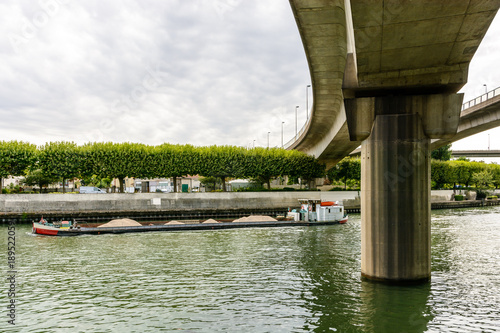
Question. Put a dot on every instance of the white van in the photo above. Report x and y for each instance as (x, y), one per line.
(91, 189)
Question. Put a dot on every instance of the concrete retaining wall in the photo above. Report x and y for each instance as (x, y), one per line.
(114, 202)
(36, 203)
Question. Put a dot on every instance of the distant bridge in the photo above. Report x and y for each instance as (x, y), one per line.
(475, 153)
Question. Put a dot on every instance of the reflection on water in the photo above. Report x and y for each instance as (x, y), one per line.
(254, 280)
(395, 308)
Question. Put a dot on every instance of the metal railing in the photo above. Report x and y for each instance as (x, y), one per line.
(483, 98)
(299, 133)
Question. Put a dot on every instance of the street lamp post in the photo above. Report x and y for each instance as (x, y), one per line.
(485, 89)
(307, 101)
(253, 143)
(282, 133)
(296, 122)
(268, 139)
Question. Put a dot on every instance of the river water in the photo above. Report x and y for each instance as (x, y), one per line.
(291, 279)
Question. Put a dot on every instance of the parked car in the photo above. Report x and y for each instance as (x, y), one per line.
(91, 189)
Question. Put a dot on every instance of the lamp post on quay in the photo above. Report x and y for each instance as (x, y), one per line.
(282, 133)
(268, 139)
(307, 101)
(296, 122)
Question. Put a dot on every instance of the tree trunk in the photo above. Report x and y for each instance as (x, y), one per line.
(1, 185)
(175, 184)
(268, 182)
(223, 178)
(64, 186)
(121, 184)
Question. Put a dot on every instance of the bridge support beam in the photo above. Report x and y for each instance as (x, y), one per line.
(395, 179)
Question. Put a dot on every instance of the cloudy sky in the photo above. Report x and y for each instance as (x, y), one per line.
(200, 71)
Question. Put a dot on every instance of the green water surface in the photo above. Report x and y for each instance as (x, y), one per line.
(290, 279)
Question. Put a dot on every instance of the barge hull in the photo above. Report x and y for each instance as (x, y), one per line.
(39, 229)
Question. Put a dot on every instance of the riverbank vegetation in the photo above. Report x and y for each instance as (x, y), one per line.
(59, 161)
(460, 173)
(98, 163)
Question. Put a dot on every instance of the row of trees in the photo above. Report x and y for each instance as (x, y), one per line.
(66, 160)
(465, 173)
(59, 161)
(443, 173)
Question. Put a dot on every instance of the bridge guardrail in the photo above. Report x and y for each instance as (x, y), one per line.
(299, 133)
(483, 98)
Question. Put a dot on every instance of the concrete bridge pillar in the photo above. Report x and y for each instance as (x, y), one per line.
(395, 180)
(395, 175)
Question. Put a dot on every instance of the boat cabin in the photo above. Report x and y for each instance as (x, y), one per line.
(58, 224)
(314, 210)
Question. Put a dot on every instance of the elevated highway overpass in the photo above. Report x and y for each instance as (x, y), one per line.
(477, 115)
(385, 75)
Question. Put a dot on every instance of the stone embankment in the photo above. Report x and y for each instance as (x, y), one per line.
(170, 206)
(156, 206)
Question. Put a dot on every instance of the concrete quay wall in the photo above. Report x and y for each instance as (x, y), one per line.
(66, 203)
(158, 202)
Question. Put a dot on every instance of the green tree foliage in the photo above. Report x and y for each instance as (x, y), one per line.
(96, 181)
(38, 178)
(495, 172)
(483, 178)
(174, 161)
(463, 171)
(348, 168)
(15, 158)
(441, 173)
(263, 164)
(450, 173)
(210, 183)
(60, 161)
(299, 164)
(442, 154)
(116, 160)
(223, 162)
(105, 160)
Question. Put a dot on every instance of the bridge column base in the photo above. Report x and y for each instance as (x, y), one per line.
(395, 200)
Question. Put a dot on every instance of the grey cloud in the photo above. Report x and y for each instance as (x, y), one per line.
(199, 72)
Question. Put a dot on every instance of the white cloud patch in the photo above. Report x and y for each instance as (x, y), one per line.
(199, 72)
(146, 71)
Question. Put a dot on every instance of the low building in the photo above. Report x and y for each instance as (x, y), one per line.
(238, 184)
(166, 185)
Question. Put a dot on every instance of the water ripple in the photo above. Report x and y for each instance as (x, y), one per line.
(255, 280)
